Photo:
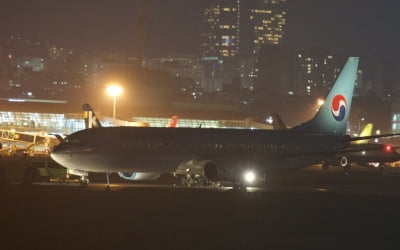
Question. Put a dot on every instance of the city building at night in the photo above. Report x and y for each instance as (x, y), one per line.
(186, 69)
(316, 70)
(219, 42)
(36, 64)
(268, 20)
(221, 27)
(395, 117)
(315, 73)
(233, 32)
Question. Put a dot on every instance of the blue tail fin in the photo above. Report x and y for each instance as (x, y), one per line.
(91, 120)
(332, 117)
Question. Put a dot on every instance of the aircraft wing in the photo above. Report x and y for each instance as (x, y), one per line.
(367, 147)
(359, 138)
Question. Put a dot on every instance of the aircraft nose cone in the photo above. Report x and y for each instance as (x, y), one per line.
(55, 154)
(55, 151)
(58, 153)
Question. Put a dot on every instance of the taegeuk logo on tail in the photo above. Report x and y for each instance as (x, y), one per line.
(338, 107)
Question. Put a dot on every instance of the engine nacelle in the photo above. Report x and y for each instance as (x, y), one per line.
(138, 176)
(77, 172)
(211, 171)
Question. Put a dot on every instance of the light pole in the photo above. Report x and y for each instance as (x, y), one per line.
(114, 91)
(320, 102)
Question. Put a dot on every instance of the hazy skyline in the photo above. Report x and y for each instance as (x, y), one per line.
(355, 27)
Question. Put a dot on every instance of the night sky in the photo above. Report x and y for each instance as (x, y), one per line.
(368, 28)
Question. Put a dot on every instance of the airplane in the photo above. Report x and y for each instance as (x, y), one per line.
(367, 131)
(343, 160)
(173, 122)
(364, 153)
(92, 121)
(238, 156)
(360, 152)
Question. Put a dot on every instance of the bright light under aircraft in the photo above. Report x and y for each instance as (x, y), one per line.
(249, 176)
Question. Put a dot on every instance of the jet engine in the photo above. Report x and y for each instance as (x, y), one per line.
(77, 172)
(218, 172)
(211, 171)
(138, 176)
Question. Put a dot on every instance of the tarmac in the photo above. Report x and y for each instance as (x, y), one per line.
(306, 209)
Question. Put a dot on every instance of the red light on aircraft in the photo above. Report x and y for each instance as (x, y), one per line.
(388, 148)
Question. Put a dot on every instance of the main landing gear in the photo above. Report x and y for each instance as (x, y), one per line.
(193, 180)
(84, 181)
(108, 180)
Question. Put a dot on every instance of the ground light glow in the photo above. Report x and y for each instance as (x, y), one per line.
(249, 176)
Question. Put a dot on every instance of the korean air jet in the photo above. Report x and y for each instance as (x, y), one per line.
(143, 153)
(364, 153)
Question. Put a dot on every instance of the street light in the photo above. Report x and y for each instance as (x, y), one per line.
(320, 102)
(114, 91)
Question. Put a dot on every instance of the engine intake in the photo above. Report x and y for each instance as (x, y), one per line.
(138, 176)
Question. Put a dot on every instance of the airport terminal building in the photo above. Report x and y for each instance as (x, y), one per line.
(56, 117)
(22, 115)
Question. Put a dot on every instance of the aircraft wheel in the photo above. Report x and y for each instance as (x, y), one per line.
(344, 162)
(188, 181)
